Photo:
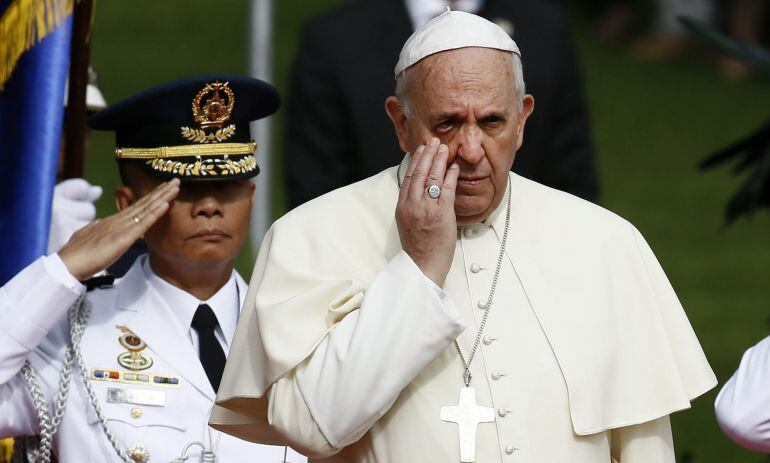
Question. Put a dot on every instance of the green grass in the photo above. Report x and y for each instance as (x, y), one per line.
(652, 122)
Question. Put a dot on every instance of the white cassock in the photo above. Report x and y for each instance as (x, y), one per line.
(344, 348)
(743, 404)
(161, 417)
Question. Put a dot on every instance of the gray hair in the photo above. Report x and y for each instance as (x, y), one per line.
(404, 82)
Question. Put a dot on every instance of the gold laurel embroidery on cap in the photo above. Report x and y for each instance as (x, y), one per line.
(199, 136)
(205, 167)
(215, 111)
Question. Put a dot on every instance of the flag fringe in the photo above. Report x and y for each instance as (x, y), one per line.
(25, 23)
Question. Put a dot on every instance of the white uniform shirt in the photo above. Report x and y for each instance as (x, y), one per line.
(225, 304)
(743, 404)
(33, 327)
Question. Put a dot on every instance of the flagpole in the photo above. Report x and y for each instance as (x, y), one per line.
(80, 54)
(261, 67)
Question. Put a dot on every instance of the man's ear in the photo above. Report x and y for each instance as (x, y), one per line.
(252, 190)
(398, 117)
(124, 197)
(527, 107)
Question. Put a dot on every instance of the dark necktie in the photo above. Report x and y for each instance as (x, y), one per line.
(209, 350)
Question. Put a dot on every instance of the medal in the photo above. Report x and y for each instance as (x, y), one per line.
(134, 359)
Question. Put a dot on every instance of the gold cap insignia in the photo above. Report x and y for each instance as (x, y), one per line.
(212, 113)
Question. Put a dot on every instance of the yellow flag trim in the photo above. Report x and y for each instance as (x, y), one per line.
(25, 23)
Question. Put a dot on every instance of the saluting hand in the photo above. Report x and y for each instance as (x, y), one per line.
(427, 227)
(100, 243)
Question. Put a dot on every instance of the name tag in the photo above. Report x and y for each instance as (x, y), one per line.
(136, 396)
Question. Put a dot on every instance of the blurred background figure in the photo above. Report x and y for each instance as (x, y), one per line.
(667, 38)
(337, 129)
(654, 30)
(745, 20)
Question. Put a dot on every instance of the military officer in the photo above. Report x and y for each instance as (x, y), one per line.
(128, 371)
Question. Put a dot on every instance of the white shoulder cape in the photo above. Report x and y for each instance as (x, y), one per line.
(621, 338)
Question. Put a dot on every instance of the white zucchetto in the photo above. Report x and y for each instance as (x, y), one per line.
(452, 30)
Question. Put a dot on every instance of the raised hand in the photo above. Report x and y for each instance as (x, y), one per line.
(100, 243)
(427, 227)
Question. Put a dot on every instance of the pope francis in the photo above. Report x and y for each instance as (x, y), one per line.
(448, 310)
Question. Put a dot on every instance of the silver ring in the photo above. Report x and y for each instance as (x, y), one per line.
(136, 219)
(433, 191)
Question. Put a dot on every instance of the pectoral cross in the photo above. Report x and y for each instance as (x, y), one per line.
(467, 414)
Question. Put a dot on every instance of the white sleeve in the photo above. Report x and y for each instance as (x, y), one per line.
(32, 307)
(356, 373)
(743, 404)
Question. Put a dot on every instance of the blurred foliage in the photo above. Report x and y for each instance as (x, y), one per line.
(750, 153)
(652, 122)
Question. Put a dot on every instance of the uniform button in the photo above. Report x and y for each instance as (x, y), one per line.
(475, 268)
(136, 413)
(509, 449)
(482, 304)
(502, 412)
(487, 340)
(468, 232)
(138, 453)
(497, 375)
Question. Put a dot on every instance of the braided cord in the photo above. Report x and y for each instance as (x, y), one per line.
(34, 449)
(77, 325)
(49, 422)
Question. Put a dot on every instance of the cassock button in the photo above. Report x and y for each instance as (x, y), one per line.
(475, 268)
(497, 375)
(509, 449)
(136, 413)
(503, 412)
(482, 304)
(488, 340)
(468, 232)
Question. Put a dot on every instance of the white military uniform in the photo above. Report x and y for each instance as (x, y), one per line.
(33, 327)
(743, 404)
(344, 348)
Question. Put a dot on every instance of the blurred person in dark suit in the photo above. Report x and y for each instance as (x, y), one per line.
(338, 132)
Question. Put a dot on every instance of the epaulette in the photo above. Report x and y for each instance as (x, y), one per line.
(99, 281)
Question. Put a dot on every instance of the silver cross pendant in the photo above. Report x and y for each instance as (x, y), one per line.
(467, 414)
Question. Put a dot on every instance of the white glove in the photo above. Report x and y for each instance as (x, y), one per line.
(73, 208)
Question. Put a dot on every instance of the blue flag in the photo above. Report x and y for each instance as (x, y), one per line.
(31, 117)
